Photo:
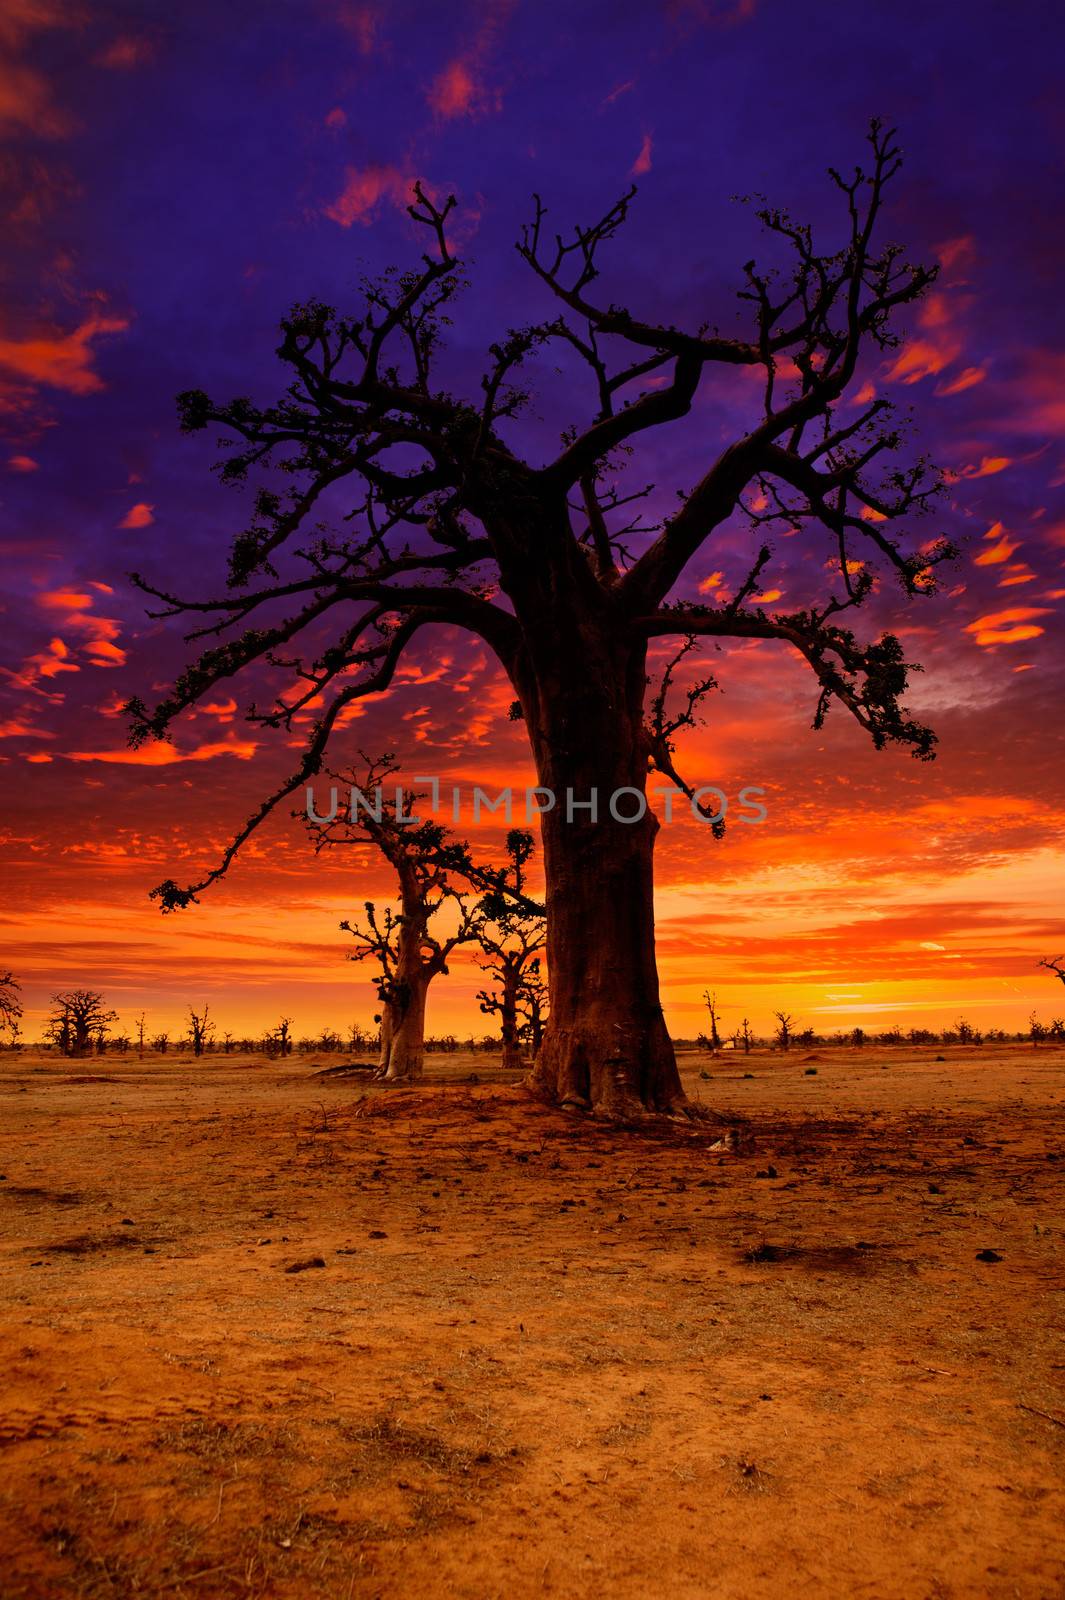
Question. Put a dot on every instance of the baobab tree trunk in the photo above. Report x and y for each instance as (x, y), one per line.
(508, 1017)
(403, 1009)
(605, 1047)
(406, 1043)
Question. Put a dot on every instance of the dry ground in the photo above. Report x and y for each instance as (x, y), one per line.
(542, 1357)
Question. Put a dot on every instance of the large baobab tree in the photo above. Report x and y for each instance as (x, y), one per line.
(510, 932)
(79, 1017)
(397, 506)
(426, 861)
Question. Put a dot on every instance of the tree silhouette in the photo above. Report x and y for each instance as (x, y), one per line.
(785, 1026)
(79, 1018)
(426, 860)
(10, 1006)
(280, 1039)
(511, 933)
(1054, 964)
(441, 521)
(711, 1006)
(200, 1030)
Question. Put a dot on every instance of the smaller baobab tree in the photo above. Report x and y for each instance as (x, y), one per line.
(280, 1040)
(711, 1006)
(511, 934)
(200, 1029)
(785, 1029)
(10, 1006)
(744, 1036)
(80, 1017)
(426, 861)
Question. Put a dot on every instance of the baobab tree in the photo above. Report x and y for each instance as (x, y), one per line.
(785, 1028)
(511, 934)
(1054, 964)
(711, 1006)
(10, 1006)
(280, 1039)
(80, 1017)
(426, 860)
(397, 506)
(200, 1029)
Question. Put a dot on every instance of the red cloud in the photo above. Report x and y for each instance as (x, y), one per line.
(164, 754)
(138, 516)
(61, 361)
(642, 163)
(459, 89)
(364, 190)
(126, 53)
(1007, 627)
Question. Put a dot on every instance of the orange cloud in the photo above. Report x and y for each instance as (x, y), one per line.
(163, 754)
(1007, 627)
(61, 361)
(1000, 551)
(44, 664)
(714, 581)
(139, 516)
(642, 163)
(966, 379)
(65, 599)
(18, 728)
(22, 464)
(987, 467)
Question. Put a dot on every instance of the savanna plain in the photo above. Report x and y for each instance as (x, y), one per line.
(270, 1330)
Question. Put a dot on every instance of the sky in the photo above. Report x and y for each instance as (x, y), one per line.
(172, 179)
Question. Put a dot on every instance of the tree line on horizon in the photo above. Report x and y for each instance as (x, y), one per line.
(81, 1025)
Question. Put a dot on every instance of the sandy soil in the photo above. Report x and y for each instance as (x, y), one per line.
(542, 1357)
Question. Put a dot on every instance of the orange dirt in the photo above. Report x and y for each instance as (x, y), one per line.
(542, 1357)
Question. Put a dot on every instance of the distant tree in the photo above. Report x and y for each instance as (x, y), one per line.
(140, 1036)
(711, 1006)
(200, 1029)
(966, 1033)
(429, 864)
(79, 1019)
(510, 932)
(858, 1037)
(807, 1038)
(532, 1008)
(891, 1036)
(784, 1029)
(1056, 1029)
(922, 1036)
(227, 1042)
(281, 1038)
(744, 1036)
(161, 1043)
(10, 1007)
